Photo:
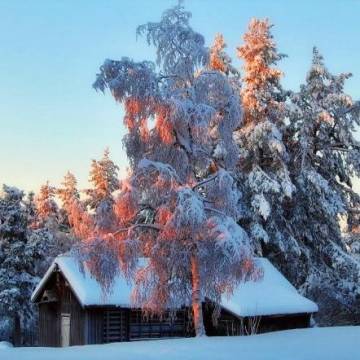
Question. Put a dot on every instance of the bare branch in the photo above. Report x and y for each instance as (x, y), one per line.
(201, 183)
(150, 226)
(214, 210)
(355, 106)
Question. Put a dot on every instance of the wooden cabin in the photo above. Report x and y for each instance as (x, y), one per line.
(74, 311)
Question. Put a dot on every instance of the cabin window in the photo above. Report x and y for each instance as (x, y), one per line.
(65, 330)
(49, 296)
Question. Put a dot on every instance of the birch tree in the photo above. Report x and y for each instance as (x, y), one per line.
(180, 204)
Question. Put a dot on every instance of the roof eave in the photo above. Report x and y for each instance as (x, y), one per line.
(38, 289)
(53, 268)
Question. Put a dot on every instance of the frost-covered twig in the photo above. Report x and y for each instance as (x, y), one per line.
(214, 210)
(201, 183)
(150, 226)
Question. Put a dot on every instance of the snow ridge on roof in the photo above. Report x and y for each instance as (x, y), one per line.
(271, 295)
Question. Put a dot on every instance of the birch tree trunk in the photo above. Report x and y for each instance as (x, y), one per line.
(196, 298)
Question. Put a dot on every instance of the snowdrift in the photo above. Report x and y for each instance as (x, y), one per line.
(337, 343)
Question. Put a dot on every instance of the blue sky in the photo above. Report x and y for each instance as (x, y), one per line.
(51, 120)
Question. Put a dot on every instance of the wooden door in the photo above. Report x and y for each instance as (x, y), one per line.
(65, 330)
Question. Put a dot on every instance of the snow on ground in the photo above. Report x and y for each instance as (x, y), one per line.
(337, 343)
(5, 345)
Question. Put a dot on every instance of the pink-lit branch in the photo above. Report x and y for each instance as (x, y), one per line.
(150, 226)
(201, 183)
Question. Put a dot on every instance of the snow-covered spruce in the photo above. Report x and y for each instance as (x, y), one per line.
(30, 238)
(103, 176)
(298, 155)
(263, 163)
(22, 251)
(324, 157)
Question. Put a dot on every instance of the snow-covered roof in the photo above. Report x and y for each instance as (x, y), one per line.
(87, 290)
(271, 295)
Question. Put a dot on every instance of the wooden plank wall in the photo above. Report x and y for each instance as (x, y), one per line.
(50, 314)
(115, 325)
(229, 325)
(284, 322)
(94, 328)
(49, 327)
(155, 327)
(70, 305)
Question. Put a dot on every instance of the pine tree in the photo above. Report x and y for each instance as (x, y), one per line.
(262, 92)
(46, 207)
(50, 224)
(219, 60)
(79, 221)
(17, 253)
(180, 204)
(324, 157)
(263, 160)
(352, 237)
(28, 244)
(30, 206)
(104, 177)
(323, 124)
(69, 192)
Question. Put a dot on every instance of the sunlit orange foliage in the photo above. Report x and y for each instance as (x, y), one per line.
(163, 215)
(155, 301)
(356, 229)
(258, 53)
(213, 168)
(324, 116)
(161, 182)
(248, 265)
(125, 209)
(216, 62)
(144, 131)
(163, 126)
(80, 221)
(132, 107)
